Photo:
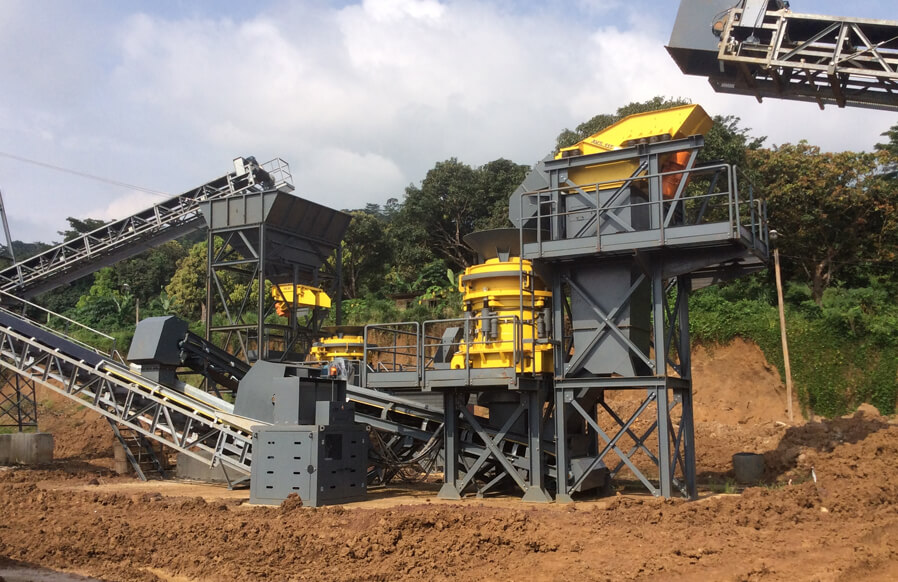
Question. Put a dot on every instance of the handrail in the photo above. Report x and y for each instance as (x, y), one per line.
(112, 352)
(411, 351)
(661, 210)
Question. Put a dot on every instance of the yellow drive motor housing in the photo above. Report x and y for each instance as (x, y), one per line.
(494, 293)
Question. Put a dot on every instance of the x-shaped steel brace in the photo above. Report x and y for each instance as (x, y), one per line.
(609, 203)
(607, 321)
(492, 449)
(639, 442)
(611, 444)
(672, 328)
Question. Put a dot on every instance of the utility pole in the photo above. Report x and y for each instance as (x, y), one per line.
(779, 295)
(8, 236)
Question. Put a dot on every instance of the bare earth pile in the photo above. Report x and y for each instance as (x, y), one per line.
(827, 513)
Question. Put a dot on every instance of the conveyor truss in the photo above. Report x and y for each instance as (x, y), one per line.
(130, 236)
(407, 433)
(197, 424)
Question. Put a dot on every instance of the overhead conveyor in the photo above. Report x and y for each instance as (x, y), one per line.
(130, 236)
(764, 49)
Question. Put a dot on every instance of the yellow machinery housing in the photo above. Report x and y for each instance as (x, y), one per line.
(509, 305)
(640, 128)
(339, 345)
(306, 297)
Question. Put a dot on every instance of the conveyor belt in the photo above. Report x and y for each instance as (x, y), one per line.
(206, 427)
(196, 428)
(130, 236)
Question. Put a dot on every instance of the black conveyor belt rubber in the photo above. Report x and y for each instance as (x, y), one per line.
(48, 338)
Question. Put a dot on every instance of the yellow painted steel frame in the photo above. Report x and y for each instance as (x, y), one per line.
(350, 347)
(649, 127)
(493, 291)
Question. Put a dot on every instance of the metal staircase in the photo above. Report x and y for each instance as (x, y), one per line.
(130, 236)
(139, 452)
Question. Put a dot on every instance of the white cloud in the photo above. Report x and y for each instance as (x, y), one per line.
(360, 178)
(361, 98)
(391, 10)
(124, 206)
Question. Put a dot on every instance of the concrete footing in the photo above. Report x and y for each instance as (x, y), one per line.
(191, 468)
(26, 448)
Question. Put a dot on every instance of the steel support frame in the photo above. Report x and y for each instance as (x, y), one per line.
(583, 399)
(495, 459)
(239, 332)
(842, 62)
(18, 401)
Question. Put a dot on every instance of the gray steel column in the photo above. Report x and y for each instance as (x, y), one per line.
(210, 250)
(562, 462)
(338, 307)
(684, 286)
(261, 343)
(10, 250)
(665, 473)
(536, 493)
(449, 490)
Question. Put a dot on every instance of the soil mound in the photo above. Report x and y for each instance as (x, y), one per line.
(828, 511)
(78, 432)
(734, 384)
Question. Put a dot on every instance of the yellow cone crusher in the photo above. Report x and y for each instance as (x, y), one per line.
(510, 308)
(343, 341)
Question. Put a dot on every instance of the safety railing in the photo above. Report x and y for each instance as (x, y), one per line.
(479, 342)
(280, 173)
(623, 208)
(76, 332)
(392, 352)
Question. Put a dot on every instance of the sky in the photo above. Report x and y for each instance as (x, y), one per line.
(361, 98)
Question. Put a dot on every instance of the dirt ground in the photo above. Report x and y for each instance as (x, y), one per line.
(826, 512)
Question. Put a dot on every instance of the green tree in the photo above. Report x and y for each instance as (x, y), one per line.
(108, 305)
(837, 213)
(498, 179)
(891, 146)
(77, 227)
(148, 273)
(367, 252)
(454, 200)
(187, 288)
